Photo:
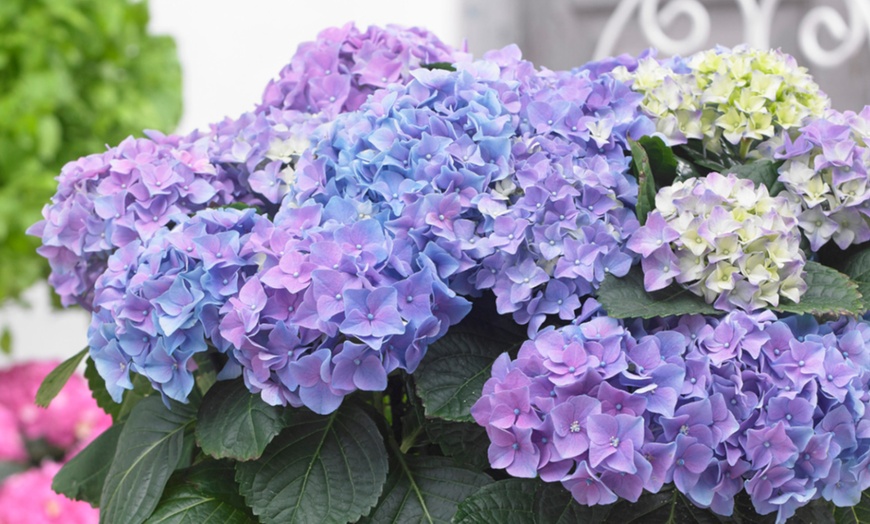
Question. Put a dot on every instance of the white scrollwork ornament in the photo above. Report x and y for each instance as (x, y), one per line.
(655, 16)
(850, 35)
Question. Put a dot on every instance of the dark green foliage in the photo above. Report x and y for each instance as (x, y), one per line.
(234, 423)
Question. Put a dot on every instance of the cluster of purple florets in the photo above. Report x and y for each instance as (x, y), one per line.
(133, 236)
(825, 170)
(337, 72)
(503, 177)
(335, 306)
(716, 406)
(106, 201)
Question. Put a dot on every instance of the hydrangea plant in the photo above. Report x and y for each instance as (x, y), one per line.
(412, 285)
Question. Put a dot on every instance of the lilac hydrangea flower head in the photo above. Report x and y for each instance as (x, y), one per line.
(105, 201)
(714, 405)
(336, 72)
(825, 169)
(334, 305)
(726, 240)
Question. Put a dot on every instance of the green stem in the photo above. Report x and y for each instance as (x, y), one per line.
(745, 144)
(409, 440)
(400, 458)
(378, 402)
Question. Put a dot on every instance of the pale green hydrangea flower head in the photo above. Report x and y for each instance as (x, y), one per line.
(743, 95)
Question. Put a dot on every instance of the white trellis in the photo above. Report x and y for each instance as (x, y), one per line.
(655, 16)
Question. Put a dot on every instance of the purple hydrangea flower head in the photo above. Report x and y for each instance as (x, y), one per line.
(753, 419)
(158, 303)
(336, 72)
(106, 201)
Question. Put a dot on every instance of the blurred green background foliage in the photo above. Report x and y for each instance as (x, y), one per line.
(75, 75)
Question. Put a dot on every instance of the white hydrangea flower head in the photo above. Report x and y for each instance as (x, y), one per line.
(724, 239)
(740, 94)
(826, 170)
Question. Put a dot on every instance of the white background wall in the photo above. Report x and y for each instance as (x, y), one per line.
(229, 50)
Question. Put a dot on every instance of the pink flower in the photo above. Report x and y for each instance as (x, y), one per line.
(72, 420)
(11, 443)
(27, 497)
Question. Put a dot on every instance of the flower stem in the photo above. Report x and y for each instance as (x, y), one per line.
(745, 144)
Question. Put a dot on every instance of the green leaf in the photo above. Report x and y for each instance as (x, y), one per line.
(451, 376)
(426, 490)
(319, 469)
(446, 66)
(744, 512)
(99, 392)
(700, 156)
(818, 511)
(669, 506)
(204, 494)
(646, 190)
(662, 160)
(233, 423)
(83, 477)
(686, 170)
(762, 173)
(555, 505)
(465, 442)
(6, 340)
(206, 372)
(857, 268)
(510, 501)
(56, 380)
(626, 298)
(149, 450)
(828, 292)
(529, 501)
(141, 389)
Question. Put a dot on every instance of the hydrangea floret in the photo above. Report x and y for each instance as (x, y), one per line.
(726, 240)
